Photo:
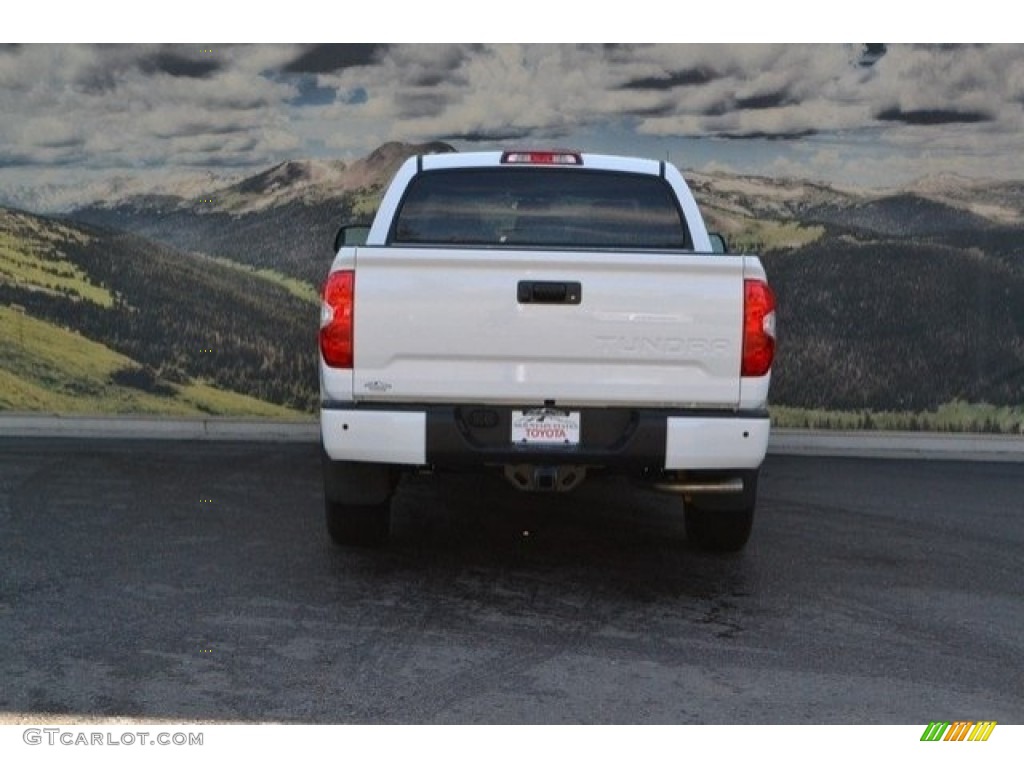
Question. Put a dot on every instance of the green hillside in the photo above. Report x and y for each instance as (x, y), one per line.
(54, 370)
(99, 322)
(908, 325)
(30, 258)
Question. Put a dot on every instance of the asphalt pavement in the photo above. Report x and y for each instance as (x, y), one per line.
(193, 581)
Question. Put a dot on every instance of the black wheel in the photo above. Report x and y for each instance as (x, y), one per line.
(361, 525)
(718, 530)
(722, 523)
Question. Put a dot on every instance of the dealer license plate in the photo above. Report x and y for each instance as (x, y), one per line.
(546, 426)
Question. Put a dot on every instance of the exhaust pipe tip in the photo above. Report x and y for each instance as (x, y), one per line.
(729, 485)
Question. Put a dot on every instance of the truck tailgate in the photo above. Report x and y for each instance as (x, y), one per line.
(507, 326)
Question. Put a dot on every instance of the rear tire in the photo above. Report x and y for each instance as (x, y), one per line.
(722, 523)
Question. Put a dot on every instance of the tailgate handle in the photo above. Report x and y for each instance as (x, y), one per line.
(547, 292)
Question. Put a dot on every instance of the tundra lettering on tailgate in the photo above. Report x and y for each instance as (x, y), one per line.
(662, 346)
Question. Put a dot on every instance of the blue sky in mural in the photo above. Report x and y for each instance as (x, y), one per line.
(852, 114)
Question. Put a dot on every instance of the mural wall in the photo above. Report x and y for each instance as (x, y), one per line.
(166, 212)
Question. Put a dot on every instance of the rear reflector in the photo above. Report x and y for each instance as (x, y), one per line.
(336, 308)
(758, 328)
(547, 157)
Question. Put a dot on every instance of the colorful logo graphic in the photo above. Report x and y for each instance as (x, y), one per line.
(960, 730)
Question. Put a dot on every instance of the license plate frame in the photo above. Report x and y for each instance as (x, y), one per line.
(546, 427)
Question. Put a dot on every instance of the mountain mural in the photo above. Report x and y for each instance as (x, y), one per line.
(890, 300)
(105, 321)
(283, 218)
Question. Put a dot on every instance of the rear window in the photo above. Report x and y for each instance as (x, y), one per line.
(569, 208)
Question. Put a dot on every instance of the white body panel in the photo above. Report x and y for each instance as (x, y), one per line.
(445, 325)
(716, 443)
(386, 437)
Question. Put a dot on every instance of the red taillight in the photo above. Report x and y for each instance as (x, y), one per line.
(758, 328)
(336, 337)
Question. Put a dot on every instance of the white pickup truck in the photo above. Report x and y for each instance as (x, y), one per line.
(545, 315)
